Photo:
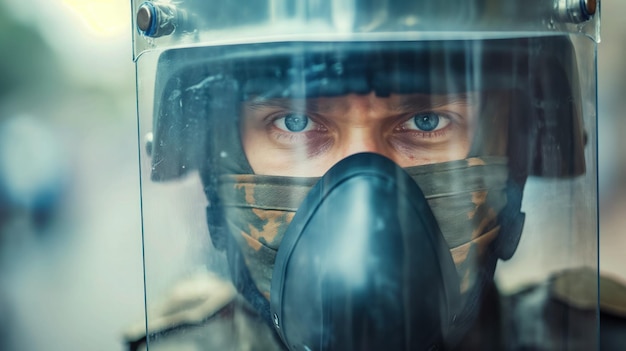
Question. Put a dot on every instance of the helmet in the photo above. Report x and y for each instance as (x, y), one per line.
(363, 163)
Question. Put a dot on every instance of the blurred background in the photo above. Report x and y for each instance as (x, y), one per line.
(70, 231)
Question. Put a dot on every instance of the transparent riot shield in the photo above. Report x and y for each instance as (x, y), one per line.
(355, 175)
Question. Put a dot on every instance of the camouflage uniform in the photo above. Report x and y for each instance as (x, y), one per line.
(203, 313)
(536, 318)
(465, 196)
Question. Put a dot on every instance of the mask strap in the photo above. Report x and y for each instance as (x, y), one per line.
(223, 241)
(240, 275)
(217, 230)
(242, 279)
(511, 220)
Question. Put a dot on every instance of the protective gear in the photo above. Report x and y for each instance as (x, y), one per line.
(260, 208)
(193, 317)
(354, 266)
(547, 139)
(464, 108)
(258, 212)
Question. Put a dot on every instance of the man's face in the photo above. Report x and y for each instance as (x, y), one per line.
(305, 137)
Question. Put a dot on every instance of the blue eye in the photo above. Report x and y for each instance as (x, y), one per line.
(426, 121)
(294, 123)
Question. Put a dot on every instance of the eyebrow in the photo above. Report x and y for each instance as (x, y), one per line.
(311, 105)
(429, 102)
(403, 105)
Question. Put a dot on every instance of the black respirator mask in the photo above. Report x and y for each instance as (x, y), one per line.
(363, 265)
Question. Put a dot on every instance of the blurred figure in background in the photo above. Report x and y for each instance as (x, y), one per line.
(32, 167)
(70, 259)
(33, 180)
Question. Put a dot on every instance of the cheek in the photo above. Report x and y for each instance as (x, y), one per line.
(408, 154)
(267, 158)
(262, 153)
(253, 145)
(460, 147)
(275, 153)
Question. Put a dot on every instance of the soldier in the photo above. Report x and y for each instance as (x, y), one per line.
(364, 164)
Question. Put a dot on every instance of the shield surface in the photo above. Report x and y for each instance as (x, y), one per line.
(354, 174)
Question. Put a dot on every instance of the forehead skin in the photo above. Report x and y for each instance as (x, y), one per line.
(356, 123)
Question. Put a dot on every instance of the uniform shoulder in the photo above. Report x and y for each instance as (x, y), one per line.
(203, 312)
(191, 302)
(567, 302)
(579, 288)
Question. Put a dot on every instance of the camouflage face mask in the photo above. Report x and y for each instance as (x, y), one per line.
(465, 196)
